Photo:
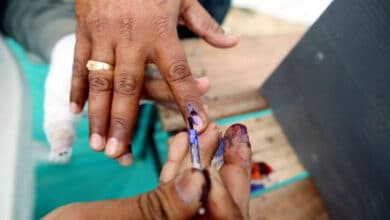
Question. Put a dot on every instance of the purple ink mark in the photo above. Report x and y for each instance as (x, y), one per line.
(194, 115)
(194, 145)
(237, 133)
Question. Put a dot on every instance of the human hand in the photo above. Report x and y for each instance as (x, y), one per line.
(224, 193)
(60, 123)
(128, 34)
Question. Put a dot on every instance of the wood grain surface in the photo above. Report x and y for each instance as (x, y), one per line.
(235, 74)
(297, 201)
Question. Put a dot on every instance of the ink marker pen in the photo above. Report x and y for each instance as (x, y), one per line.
(194, 145)
(194, 152)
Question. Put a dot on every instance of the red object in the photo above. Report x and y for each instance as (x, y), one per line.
(260, 169)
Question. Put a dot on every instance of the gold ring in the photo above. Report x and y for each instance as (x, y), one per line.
(97, 65)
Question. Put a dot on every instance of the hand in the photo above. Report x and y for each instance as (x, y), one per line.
(225, 193)
(128, 34)
(59, 123)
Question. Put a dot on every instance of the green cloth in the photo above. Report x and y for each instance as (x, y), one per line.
(89, 176)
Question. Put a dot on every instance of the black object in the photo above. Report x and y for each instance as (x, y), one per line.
(216, 8)
(331, 96)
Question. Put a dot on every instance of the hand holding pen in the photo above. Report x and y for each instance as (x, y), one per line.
(181, 191)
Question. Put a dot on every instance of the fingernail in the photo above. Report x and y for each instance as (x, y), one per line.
(198, 123)
(96, 142)
(189, 186)
(126, 160)
(237, 132)
(112, 147)
(74, 108)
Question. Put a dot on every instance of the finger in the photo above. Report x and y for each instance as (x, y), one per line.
(219, 202)
(125, 160)
(79, 84)
(179, 158)
(235, 172)
(128, 80)
(178, 199)
(177, 150)
(158, 90)
(173, 64)
(199, 21)
(100, 93)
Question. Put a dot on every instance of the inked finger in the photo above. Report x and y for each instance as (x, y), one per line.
(235, 172)
(173, 64)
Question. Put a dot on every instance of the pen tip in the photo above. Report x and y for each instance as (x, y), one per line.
(191, 122)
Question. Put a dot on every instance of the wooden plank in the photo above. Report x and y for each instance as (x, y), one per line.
(297, 201)
(235, 75)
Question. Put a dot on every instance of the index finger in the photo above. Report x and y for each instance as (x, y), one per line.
(172, 63)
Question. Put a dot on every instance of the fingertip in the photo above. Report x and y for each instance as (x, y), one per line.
(96, 142)
(203, 85)
(112, 148)
(125, 160)
(222, 40)
(74, 108)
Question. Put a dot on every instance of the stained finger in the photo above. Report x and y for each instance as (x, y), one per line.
(235, 172)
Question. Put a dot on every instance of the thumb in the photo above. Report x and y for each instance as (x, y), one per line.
(177, 199)
(196, 18)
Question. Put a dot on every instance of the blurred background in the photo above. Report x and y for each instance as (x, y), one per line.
(31, 186)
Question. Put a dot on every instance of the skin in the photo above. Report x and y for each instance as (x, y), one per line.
(182, 191)
(157, 90)
(128, 34)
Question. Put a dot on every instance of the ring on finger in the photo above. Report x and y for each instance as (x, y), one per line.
(93, 65)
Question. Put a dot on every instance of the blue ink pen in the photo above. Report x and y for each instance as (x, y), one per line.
(195, 156)
(194, 145)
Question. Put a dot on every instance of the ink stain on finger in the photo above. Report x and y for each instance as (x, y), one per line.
(197, 121)
(236, 134)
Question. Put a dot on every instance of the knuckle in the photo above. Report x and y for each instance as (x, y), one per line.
(161, 25)
(211, 25)
(97, 23)
(178, 71)
(99, 82)
(152, 204)
(126, 84)
(126, 27)
(190, 98)
(118, 122)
